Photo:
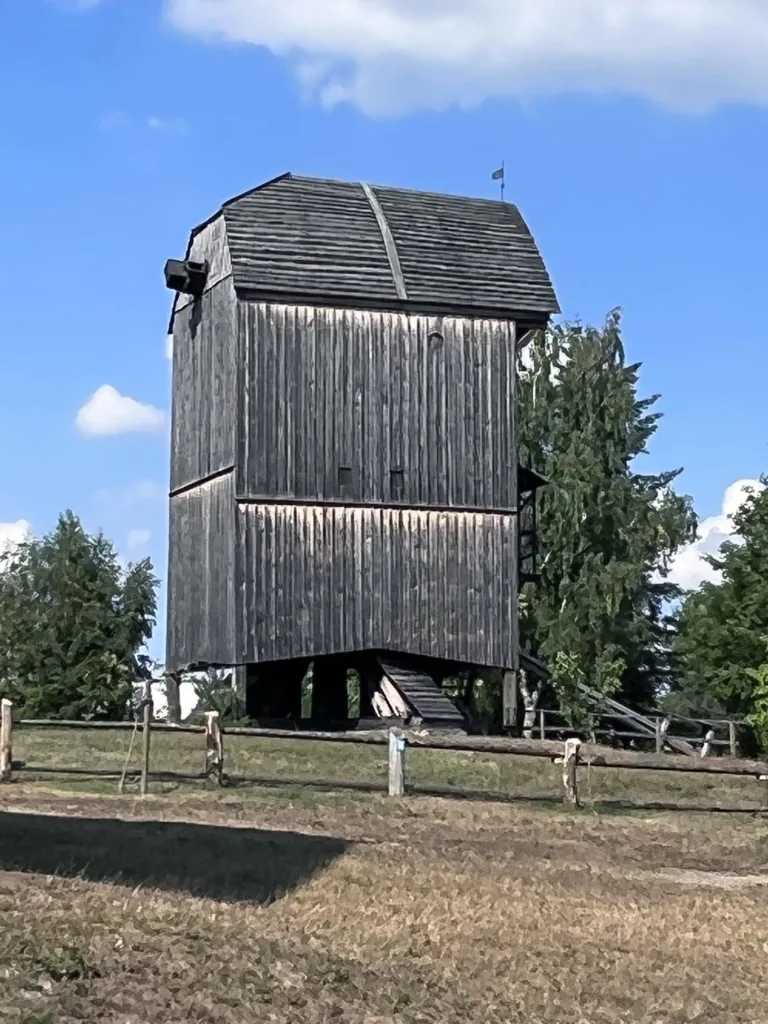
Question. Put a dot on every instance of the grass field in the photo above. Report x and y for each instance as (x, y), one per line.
(296, 905)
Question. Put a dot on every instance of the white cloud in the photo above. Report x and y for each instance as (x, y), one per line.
(107, 413)
(391, 56)
(689, 570)
(138, 539)
(13, 534)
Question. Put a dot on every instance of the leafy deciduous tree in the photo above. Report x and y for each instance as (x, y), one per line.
(723, 627)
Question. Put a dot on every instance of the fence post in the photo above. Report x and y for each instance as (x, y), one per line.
(542, 724)
(734, 752)
(147, 728)
(662, 727)
(396, 762)
(570, 760)
(707, 744)
(6, 740)
(214, 747)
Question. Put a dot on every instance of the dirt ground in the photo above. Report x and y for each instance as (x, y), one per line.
(305, 907)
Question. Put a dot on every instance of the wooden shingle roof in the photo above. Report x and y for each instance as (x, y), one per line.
(311, 240)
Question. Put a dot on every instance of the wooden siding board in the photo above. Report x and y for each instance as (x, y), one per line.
(432, 583)
(208, 244)
(415, 421)
(201, 623)
(205, 377)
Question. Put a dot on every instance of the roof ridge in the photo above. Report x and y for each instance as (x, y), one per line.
(384, 188)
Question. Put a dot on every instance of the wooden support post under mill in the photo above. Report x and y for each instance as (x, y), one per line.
(146, 732)
(509, 696)
(240, 688)
(396, 762)
(570, 760)
(173, 698)
(6, 740)
(214, 747)
(348, 505)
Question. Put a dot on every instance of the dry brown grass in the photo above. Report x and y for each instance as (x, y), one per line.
(261, 905)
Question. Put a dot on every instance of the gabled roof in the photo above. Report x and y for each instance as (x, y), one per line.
(333, 242)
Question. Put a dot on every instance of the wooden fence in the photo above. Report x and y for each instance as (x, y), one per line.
(571, 754)
(551, 722)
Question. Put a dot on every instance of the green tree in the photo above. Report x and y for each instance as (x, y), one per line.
(723, 626)
(607, 533)
(72, 625)
(758, 715)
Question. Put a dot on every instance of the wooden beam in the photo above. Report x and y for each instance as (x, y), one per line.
(396, 762)
(173, 698)
(596, 757)
(509, 698)
(6, 740)
(570, 760)
(146, 734)
(214, 748)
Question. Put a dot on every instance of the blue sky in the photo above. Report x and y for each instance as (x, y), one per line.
(635, 150)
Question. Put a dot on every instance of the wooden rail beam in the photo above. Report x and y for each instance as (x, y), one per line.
(597, 757)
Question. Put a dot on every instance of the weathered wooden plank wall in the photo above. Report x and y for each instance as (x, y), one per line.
(205, 385)
(202, 572)
(318, 580)
(208, 244)
(352, 408)
(358, 406)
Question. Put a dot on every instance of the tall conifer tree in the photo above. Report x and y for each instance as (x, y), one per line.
(600, 614)
(72, 624)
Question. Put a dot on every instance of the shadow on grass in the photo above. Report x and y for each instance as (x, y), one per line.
(202, 860)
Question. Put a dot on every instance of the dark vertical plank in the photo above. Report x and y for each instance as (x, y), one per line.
(201, 576)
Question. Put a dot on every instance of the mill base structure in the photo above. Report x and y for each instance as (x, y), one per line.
(345, 487)
(387, 688)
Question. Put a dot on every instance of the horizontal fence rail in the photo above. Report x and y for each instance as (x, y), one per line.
(550, 749)
(571, 754)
